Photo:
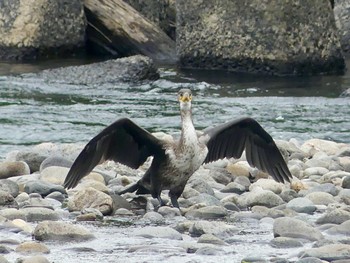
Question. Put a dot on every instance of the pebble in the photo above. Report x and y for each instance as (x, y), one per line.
(261, 197)
(54, 174)
(336, 216)
(301, 205)
(286, 242)
(90, 197)
(33, 259)
(295, 228)
(10, 187)
(32, 158)
(320, 198)
(330, 252)
(208, 212)
(346, 182)
(10, 169)
(211, 239)
(32, 247)
(55, 161)
(157, 232)
(62, 231)
(268, 184)
(42, 188)
(216, 228)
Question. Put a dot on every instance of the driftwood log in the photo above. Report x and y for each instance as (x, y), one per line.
(118, 29)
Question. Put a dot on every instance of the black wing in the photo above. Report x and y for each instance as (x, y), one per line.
(123, 141)
(230, 139)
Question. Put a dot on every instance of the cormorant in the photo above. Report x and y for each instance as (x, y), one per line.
(175, 161)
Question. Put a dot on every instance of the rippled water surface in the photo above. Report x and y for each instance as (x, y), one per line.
(33, 111)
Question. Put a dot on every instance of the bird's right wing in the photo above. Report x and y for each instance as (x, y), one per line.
(123, 141)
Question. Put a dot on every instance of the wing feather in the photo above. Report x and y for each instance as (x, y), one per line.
(123, 141)
(232, 138)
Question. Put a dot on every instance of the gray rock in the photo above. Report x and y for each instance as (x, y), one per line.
(33, 159)
(209, 251)
(211, 239)
(263, 198)
(33, 214)
(6, 199)
(12, 213)
(33, 259)
(129, 69)
(93, 198)
(286, 242)
(57, 196)
(253, 259)
(55, 28)
(234, 187)
(157, 232)
(295, 228)
(42, 188)
(3, 259)
(302, 205)
(336, 216)
(201, 186)
(258, 48)
(326, 187)
(15, 168)
(10, 187)
(267, 212)
(341, 13)
(288, 194)
(209, 212)
(55, 161)
(310, 260)
(31, 247)
(63, 231)
(315, 171)
(54, 174)
(153, 217)
(216, 228)
(206, 199)
(329, 252)
(320, 198)
(332, 176)
(268, 184)
(120, 202)
(343, 229)
(346, 182)
(169, 212)
(243, 180)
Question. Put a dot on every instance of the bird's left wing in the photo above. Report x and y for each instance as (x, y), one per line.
(123, 141)
(231, 138)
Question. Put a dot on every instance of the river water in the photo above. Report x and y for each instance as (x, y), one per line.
(33, 111)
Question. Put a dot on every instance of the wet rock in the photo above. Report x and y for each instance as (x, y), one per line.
(262, 197)
(54, 175)
(156, 249)
(252, 259)
(295, 228)
(33, 259)
(6, 198)
(343, 229)
(87, 217)
(32, 248)
(285, 242)
(329, 252)
(24, 226)
(209, 251)
(9, 186)
(153, 217)
(63, 231)
(288, 195)
(211, 239)
(13, 168)
(302, 205)
(56, 196)
(55, 161)
(209, 212)
(128, 69)
(93, 198)
(263, 211)
(206, 199)
(158, 232)
(216, 228)
(5, 250)
(310, 260)
(320, 198)
(34, 214)
(12, 213)
(42, 188)
(346, 182)
(326, 187)
(336, 216)
(169, 212)
(234, 187)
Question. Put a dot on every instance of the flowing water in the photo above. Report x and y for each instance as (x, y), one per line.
(33, 111)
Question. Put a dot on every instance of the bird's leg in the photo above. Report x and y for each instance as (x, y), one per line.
(161, 201)
(173, 198)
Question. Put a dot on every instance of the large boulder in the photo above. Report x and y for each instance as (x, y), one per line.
(342, 18)
(40, 28)
(271, 37)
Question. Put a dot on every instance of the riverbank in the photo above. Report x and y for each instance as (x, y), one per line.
(229, 211)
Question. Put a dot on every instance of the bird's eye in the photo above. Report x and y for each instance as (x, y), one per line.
(181, 94)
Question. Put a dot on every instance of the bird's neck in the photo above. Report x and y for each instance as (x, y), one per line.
(188, 130)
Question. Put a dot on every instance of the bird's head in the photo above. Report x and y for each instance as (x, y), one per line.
(185, 97)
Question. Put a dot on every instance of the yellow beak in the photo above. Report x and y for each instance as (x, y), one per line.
(185, 98)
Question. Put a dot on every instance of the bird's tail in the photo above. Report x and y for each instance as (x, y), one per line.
(135, 187)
